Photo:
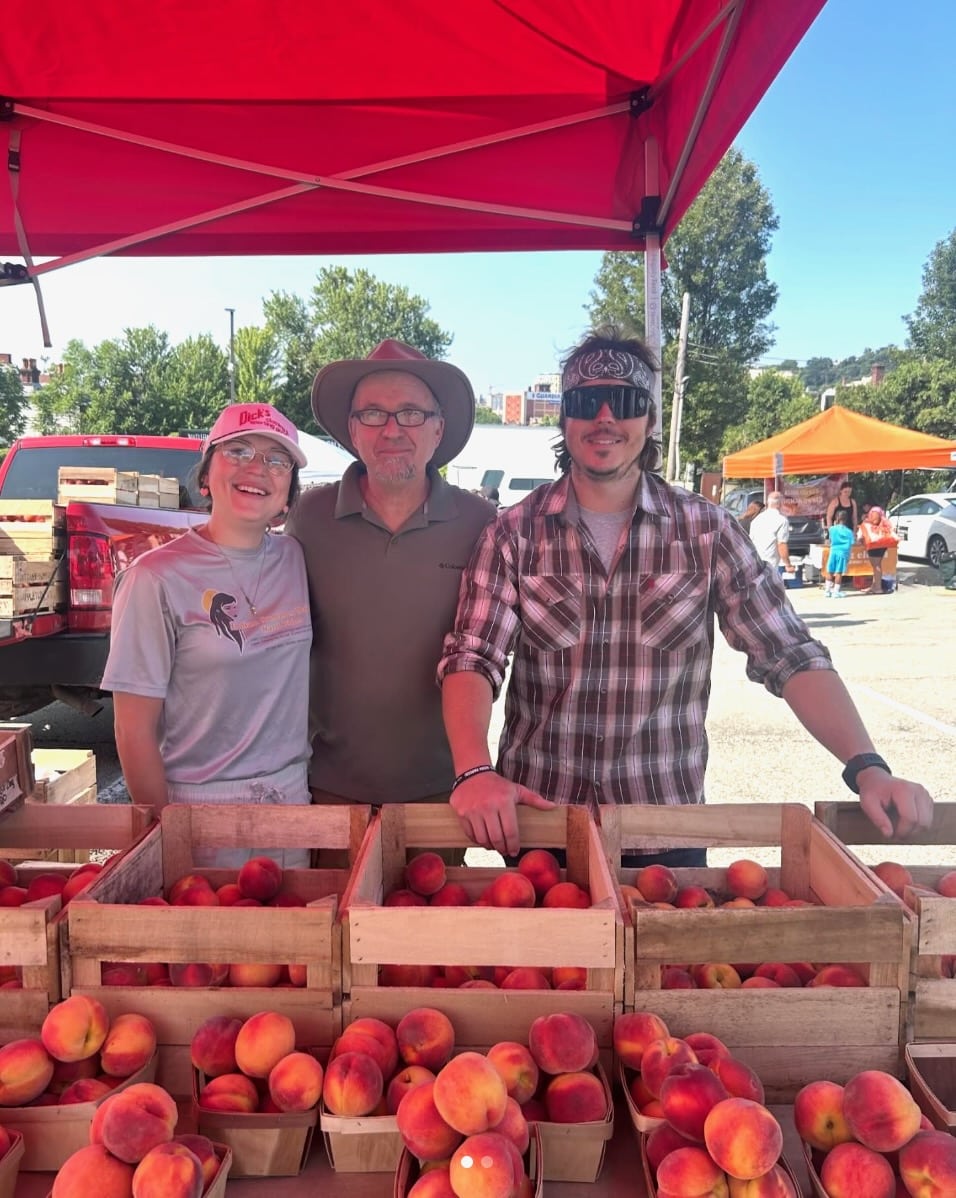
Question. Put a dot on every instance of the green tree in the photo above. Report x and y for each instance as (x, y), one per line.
(717, 254)
(819, 373)
(13, 404)
(486, 415)
(932, 327)
(346, 316)
(257, 374)
(774, 402)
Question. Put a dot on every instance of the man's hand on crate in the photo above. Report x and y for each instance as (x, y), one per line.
(487, 806)
(895, 807)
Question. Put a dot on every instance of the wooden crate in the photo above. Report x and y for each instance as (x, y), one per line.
(27, 600)
(31, 528)
(374, 935)
(169, 492)
(110, 926)
(20, 571)
(75, 771)
(97, 484)
(932, 1006)
(148, 494)
(789, 1036)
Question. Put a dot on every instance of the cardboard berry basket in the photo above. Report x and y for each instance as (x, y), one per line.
(262, 1145)
(932, 1005)
(112, 925)
(361, 1144)
(375, 935)
(10, 1165)
(408, 1169)
(789, 1036)
(931, 1071)
(30, 934)
(650, 1184)
(53, 1133)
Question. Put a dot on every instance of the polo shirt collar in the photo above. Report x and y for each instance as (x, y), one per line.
(441, 503)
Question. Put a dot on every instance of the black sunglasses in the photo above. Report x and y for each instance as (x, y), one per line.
(626, 403)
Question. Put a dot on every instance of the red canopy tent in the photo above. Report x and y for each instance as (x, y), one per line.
(279, 127)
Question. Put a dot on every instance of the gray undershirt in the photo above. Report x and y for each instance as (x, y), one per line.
(605, 530)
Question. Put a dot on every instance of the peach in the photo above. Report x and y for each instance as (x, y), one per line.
(196, 896)
(425, 1037)
(386, 1042)
(457, 975)
(779, 972)
(404, 1080)
(298, 974)
(510, 889)
(633, 1032)
(563, 1042)
(13, 896)
(263, 1040)
(743, 1138)
(804, 971)
(657, 883)
(880, 1111)
(577, 1097)
(470, 1094)
(353, 1084)
(452, 894)
(84, 1089)
(631, 894)
(404, 898)
(434, 1184)
(837, 975)
(8, 875)
(663, 1140)
(254, 973)
(688, 1094)
(852, 1169)
(25, 1071)
(228, 894)
(129, 1044)
(673, 977)
(425, 874)
(75, 1028)
(197, 974)
(260, 878)
(518, 1068)
(230, 1092)
(478, 984)
(525, 977)
(122, 974)
(213, 1046)
(295, 1083)
(693, 896)
(562, 975)
(168, 1171)
(818, 1115)
(747, 879)
(204, 1151)
(421, 1126)
(897, 877)
(408, 975)
(43, 886)
(186, 882)
(716, 975)
(132, 1121)
(566, 894)
(486, 1165)
(542, 870)
(514, 1126)
(775, 1184)
(947, 884)
(67, 1072)
(927, 1165)
(707, 1047)
(740, 903)
(286, 898)
(93, 1170)
(690, 1173)
(739, 1079)
(660, 1057)
(774, 897)
(154, 900)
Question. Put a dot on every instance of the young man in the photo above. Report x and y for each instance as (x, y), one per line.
(604, 587)
(385, 550)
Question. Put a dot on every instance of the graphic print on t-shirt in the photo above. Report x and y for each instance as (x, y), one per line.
(223, 609)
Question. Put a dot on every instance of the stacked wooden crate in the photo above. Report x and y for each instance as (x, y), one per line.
(29, 585)
(789, 1036)
(32, 544)
(155, 490)
(97, 484)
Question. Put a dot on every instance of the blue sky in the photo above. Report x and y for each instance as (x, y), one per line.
(854, 141)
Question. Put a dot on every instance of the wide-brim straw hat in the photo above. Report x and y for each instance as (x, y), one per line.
(335, 385)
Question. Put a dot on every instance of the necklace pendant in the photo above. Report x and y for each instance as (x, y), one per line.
(252, 608)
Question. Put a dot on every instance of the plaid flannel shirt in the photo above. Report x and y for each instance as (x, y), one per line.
(611, 671)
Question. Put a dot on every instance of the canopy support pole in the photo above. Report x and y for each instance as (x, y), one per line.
(652, 266)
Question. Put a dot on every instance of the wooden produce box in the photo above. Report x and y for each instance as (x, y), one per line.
(148, 494)
(789, 1036)
(109, 926)
(10, 1166)
(31, 528)
(409, 1168)
(97, 484)
(374, 935)
(30, 934)
(932, 1006)
(18, 601)
(19, 571)
(12, 779)
(169, 492)
(75, 775)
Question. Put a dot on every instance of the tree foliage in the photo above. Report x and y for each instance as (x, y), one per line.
(932, 327)
(486, 415)
(13, 404)
(774, 402)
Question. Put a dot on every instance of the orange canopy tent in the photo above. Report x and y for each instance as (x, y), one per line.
(841, 440)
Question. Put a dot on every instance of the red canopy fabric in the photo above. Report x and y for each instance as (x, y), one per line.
(280, 127)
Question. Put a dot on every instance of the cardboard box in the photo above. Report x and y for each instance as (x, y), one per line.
(788, 1036)
(931, 1070)
(109, 925)
(931, 1014)
(408, 1170)
(16, 764)
(62, 775)
(10, 1166)
(374, 935)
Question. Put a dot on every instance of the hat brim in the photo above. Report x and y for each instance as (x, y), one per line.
(293, 450)
(335, 385)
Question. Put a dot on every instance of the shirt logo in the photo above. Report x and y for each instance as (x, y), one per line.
(223, 609)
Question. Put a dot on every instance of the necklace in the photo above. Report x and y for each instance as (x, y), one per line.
(250, 603)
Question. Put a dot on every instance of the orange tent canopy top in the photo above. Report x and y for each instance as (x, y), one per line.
(839, 439)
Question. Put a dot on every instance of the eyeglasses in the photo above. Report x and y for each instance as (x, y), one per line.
(626, 403)
(404, 417)
(244, 455)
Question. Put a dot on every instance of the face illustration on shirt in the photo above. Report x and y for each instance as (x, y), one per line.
(223, 610)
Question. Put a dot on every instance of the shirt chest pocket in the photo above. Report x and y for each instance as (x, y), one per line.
(673, 610)
(550, 607)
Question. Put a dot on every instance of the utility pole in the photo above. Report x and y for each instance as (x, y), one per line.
(232, 354)
(677, 403)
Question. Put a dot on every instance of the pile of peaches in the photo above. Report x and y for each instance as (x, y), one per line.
(252, 1065)
(258, 884)
(716, 1138)
(870, 1138)
(79, 1056)
(745, 885)
(134, 1153)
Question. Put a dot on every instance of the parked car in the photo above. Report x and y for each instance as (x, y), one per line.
(926, 525)
(804, 530)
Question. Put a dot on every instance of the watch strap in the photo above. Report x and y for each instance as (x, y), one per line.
(862, 761)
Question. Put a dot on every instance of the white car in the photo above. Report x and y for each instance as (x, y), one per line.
(923, 524)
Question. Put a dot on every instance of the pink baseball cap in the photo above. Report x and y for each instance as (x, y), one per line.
(243, 419)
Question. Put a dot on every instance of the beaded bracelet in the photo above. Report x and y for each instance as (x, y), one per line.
(466, 774)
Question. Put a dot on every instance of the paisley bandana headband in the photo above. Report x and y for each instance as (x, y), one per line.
(608, 365)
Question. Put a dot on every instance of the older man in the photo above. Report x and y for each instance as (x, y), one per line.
(604, 586)
(385, 550)
(770, 533)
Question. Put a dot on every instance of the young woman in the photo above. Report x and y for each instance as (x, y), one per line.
(844, 502)
(877, 535)
(209, 654)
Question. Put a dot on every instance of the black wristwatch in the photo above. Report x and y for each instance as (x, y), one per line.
(862, 761)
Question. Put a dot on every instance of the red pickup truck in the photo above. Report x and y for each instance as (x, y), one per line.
(62, 654)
